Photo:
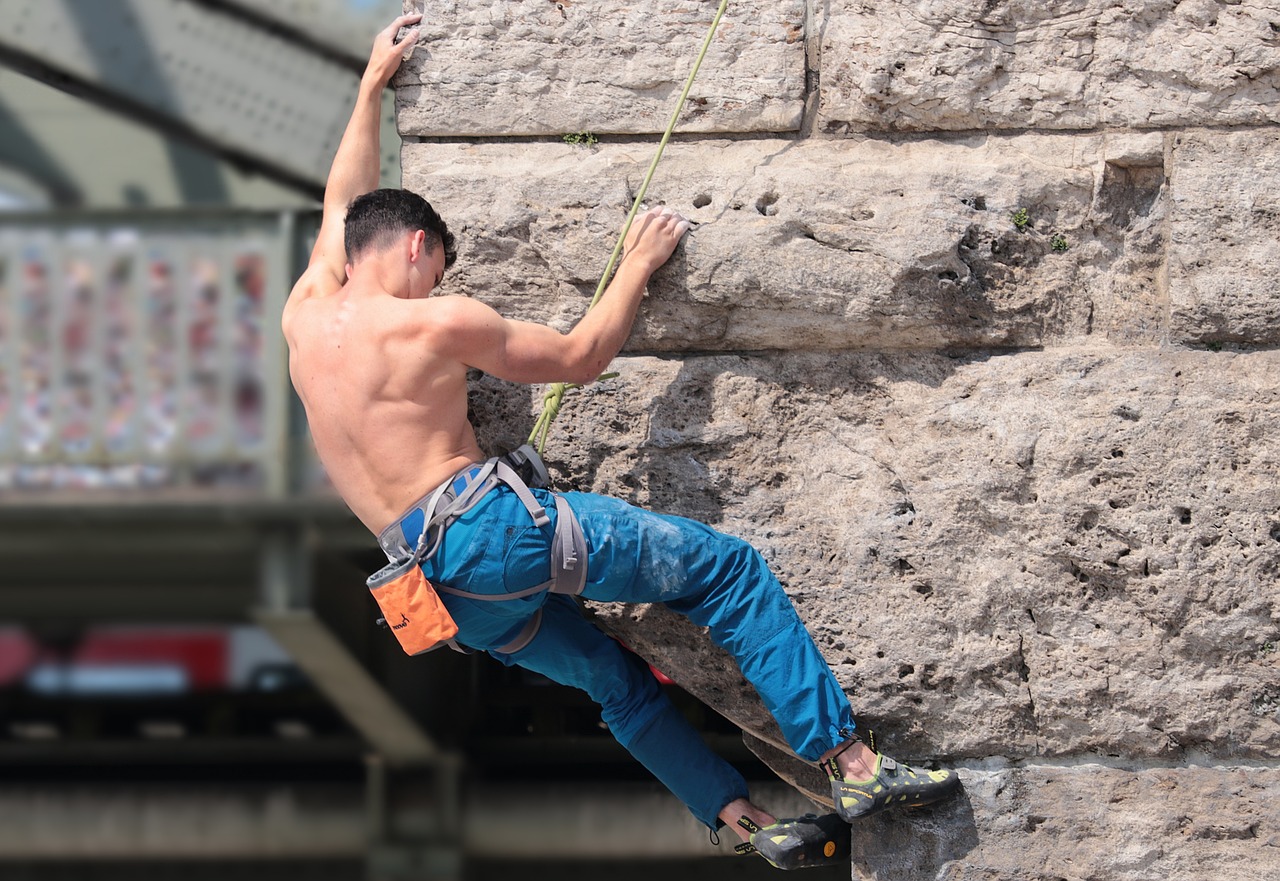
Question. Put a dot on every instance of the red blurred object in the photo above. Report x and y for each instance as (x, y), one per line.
(202, 654)
(657, 674)
(18, 652)
(660, 676)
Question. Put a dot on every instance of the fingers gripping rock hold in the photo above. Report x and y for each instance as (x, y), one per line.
(407, 39)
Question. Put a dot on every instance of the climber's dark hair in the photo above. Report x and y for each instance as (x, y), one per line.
(375, 220)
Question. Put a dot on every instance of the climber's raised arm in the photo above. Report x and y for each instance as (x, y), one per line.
(518, 351)
(356, 165)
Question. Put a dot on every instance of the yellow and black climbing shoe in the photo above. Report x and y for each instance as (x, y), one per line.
(893, 785)
(800, 843)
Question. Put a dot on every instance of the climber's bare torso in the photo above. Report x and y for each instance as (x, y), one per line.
(387, 410)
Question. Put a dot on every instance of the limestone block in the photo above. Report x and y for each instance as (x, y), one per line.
(1044, 822)
(1103, 821)
(540, 67)
(1063, 553)
(1224, 263)
(1081, 64)
(823, 244)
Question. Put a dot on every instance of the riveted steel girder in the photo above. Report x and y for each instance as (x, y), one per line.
(271, 98)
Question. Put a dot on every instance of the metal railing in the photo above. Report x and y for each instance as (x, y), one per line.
(142, 352)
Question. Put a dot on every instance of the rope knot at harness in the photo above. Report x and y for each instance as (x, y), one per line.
(552, 401)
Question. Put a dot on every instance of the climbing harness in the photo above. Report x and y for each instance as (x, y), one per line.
(553, 399)
(411, 605)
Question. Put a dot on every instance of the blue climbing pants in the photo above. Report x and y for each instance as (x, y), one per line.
(636, 556)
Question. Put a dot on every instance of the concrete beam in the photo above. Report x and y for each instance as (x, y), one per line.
(606, 821)
(82, 822)
(353, 691)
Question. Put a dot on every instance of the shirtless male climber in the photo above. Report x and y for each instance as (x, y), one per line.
(381, 368)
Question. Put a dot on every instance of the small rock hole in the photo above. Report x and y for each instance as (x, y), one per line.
(905, 670)
(702, 200)
(767, 204)
(1183, 515)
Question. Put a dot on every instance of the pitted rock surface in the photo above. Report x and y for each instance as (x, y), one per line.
(1006, 538)
(540, 67)
(955, 65)
(824, 245)
(1223, 261)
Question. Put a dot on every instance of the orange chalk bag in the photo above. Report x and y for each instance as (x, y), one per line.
(411, 607)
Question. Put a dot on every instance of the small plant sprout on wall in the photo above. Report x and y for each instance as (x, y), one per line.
(580, 139)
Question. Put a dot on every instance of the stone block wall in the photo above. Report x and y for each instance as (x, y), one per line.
(974, 338)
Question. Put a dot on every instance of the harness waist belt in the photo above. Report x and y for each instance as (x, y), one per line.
(458, 495)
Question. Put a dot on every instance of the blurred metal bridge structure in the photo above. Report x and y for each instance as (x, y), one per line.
(266, 85)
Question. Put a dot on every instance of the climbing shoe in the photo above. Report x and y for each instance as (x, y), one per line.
(893, 785)
(800, 843)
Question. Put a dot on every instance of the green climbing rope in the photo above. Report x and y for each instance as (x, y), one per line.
(553, 399)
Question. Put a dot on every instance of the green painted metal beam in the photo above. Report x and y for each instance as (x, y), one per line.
(227, 82)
